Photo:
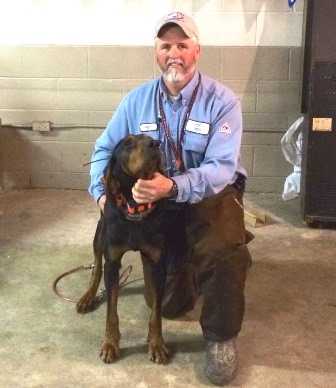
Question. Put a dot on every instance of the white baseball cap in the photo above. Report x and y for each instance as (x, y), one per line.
(182, 20)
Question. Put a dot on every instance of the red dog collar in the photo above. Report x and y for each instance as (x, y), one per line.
(141, 208)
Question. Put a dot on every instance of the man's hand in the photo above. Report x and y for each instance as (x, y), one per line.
(151, 190)
(101, 202)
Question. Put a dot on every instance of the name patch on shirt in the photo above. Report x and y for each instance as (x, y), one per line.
(197, 127)
(145, 127)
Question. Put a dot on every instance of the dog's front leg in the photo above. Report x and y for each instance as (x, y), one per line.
(110, 348)
(154, 275)
(88, 301)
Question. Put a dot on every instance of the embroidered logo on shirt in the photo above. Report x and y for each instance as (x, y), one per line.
(197, 127)
(225, 129)
(145, 127)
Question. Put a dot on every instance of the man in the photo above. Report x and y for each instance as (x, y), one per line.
(199, 123)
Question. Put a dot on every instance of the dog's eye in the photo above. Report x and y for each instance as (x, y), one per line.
(129, 142)
(155, 143)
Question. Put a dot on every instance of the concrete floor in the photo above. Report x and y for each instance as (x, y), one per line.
(288, 337)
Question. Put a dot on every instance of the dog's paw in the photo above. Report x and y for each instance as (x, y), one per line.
(86, 303)
(158, 351)
(109, 352)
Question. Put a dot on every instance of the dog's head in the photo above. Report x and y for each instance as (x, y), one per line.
(134, 157)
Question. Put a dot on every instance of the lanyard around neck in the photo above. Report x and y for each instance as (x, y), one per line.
(177, 148)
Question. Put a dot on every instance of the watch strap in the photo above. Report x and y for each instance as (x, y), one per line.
(173, 191)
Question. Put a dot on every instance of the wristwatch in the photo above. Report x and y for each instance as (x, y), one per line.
(173, 191)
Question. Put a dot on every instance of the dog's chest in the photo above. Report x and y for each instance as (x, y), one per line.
(137, 236)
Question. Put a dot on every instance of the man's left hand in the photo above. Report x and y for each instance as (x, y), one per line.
(151, 190)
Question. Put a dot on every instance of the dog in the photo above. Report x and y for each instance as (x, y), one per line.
(125, 225)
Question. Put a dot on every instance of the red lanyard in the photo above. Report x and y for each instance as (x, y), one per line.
(177, 148)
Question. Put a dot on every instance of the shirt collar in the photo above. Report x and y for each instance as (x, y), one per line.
(186, 92)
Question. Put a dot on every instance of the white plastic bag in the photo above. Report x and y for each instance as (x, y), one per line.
(291, 146)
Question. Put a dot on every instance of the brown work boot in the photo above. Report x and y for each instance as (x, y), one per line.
(221, 361)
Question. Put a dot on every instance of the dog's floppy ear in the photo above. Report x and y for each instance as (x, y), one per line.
(111, 184)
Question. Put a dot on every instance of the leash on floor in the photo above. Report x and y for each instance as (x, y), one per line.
(101, 296)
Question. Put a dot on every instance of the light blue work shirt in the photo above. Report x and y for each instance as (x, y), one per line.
(211, 141)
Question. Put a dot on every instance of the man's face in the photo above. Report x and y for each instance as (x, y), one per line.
(176, 55)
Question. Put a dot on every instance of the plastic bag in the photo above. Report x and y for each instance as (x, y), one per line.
(291, 146)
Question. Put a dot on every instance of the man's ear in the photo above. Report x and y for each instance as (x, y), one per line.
(197, 52)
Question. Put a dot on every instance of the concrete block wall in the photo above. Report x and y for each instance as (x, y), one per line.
(78, 86)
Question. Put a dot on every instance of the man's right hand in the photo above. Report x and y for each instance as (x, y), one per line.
(101, 202)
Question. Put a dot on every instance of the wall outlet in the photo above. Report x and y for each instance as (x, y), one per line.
(41, 126)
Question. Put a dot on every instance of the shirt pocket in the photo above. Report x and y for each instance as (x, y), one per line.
(195, 142)
(153, 134)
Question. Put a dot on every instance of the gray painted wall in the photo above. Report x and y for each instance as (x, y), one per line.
(78, 88)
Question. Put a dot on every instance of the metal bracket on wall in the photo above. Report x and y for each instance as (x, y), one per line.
(41, 126)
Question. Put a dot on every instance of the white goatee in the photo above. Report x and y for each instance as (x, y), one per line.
(173, 75)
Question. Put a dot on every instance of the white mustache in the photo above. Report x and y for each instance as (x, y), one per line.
(175, 62)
